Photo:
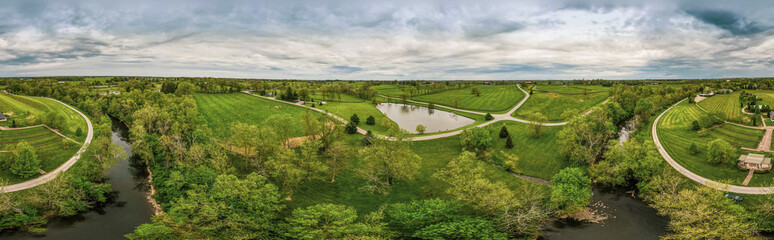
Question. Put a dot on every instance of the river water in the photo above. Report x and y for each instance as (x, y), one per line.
(409, 116)
(127, 208)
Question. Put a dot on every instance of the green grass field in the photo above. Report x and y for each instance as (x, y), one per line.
(219, 111)
(388, 90)
(553, 100)
(727, 105)
(28, 111)
(51, 149)
(493, 98)
(537, 157)
(363, 110)
(676, 137)
(435, 155)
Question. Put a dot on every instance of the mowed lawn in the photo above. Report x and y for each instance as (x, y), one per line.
(50, 148)
(553, 100)
(537, 157)
(675, 134)
(220, 111)
(26, 108)
(493, 98)
(727, 106)
(435, 155)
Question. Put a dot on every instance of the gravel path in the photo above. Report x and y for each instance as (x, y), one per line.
(696, 177)
(51, 175)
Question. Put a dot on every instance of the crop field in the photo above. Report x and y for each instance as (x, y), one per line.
(219, 111)
(727, 106)
(435, 155)
(51, 149)
(536, 157)
(675, 134)
(552, 101)
(28, 111)
(493, 98)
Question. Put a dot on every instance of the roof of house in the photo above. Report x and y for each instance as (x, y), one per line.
(2, 116)
(755, 159)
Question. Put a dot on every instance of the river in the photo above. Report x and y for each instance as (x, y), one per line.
(126, 209)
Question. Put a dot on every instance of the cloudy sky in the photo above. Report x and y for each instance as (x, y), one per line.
(389, 39)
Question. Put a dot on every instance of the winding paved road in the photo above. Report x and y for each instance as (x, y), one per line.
(51, 175)
(696, 177)
(497, 117)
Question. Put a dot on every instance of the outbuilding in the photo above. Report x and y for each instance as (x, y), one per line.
(753, 161)
(3, 118)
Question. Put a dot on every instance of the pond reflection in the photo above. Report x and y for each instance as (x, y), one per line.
(409, 116)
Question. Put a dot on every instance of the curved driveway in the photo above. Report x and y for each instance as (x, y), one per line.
(497, 117)
(696, 177)
(51, 175)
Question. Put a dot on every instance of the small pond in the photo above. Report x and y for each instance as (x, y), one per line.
(409, 116)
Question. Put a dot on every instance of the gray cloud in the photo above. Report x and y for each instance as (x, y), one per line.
(387, 40)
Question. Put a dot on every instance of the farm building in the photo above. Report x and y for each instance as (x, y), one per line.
(771, 115)
(3, 118)
(708, 93)
(755, 162)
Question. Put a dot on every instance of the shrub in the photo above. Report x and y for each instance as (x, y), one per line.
(421, 128)
(78, 132)
(695, 125)
(693, 149)
(504, 132)
(354, 119)
(488, 117)
(367, 141)
(509, 143)
(351, 128)
(370, 120)
(720, 151)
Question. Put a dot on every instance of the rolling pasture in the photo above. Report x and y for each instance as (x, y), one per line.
(726, 106)
(553, 100)
(675, 134)
(536, 157)
(493, 98)
(51, 149)
(27, 111)
(219, 111)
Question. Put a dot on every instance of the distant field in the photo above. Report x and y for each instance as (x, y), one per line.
(553, 100)
(50, 148)
(494, 98)
(28, 111)
(676, 137)
(388, 90)
(537, 157)
(219, 111)
(727, 105)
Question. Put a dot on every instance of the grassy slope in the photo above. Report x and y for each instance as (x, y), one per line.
(494, 98)
(22, 105)
(219, 111)
(727, 105)
(51, 149)
(676, 137)
(552, 101)
(537, 157)
(435, 154)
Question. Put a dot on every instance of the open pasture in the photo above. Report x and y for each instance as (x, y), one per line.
(726, 106)
(493, 98)
(27, 111)
(219, 111)
(536, 157)
(675, 134)
(553, 100)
